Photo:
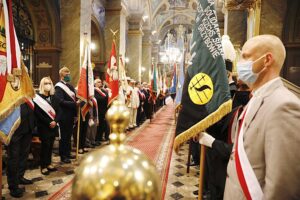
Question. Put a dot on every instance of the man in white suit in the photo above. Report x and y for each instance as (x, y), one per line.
(265, 161)
(133, 104)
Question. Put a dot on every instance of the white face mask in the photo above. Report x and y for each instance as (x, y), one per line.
(47, 88)
(245, 73)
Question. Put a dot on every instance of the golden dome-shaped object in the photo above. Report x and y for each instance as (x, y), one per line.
(117, 171)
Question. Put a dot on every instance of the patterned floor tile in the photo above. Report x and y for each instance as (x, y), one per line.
(40, 194)
(58, 181)
(176, 196)
(179, 166)
(178, 174)
(177, 184)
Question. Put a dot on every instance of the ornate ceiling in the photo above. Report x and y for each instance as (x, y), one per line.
(163, 15)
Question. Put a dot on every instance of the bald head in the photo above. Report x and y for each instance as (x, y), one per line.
(264, 44)
(98, 83)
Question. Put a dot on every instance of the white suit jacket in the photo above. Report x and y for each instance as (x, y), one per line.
(272, 144)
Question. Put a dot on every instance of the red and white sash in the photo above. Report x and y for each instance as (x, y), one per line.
(95, 104)
(142, 95)
(45, 106)
(66, 89)
(100, 92)
(246, 175)
(30, 103)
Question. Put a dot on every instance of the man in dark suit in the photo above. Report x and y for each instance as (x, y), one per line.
(101, 96)
(66, 96)
(146, 106)
(18, 150)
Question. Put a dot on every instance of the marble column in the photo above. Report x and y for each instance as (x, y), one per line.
(134, 48)
(113, 17)
(72, 30)
(146, 56)
(236, 26)
(134, 53)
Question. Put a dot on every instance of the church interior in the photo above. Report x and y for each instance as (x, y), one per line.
(146, 33)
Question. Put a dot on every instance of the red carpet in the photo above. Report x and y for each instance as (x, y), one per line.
(154, 139)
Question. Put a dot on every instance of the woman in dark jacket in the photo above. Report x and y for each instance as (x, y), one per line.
(46, 111)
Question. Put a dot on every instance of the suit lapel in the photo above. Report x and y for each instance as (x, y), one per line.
(258, 101)
(254, 107)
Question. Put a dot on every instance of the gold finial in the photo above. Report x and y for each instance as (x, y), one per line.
(114, 32)
(116, 171)
(118, 119)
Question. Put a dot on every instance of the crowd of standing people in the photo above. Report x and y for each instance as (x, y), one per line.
(53, 113)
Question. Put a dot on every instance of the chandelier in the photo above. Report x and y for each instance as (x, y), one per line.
(170, 52)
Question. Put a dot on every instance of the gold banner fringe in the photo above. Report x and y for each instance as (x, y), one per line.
(211, 119)
(8, 110)
(6, 138)
(178, 107)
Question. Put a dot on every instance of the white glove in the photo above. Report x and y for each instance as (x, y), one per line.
(206, 139)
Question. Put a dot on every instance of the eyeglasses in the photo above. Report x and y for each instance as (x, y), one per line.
(47, 83)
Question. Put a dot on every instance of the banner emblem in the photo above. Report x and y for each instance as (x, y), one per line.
(201, 89)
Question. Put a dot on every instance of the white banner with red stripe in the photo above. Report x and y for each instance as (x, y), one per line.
(245, 172)
(45, 106)
(12, 44)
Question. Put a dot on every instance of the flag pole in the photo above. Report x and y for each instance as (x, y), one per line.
(1, 169)
(114, 39)
(202, 168)
(78, 131)
(119, 75)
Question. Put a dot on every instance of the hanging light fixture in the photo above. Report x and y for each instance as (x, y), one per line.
(171, 52)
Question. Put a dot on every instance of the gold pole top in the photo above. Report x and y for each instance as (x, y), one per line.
(116, 171)
(118, 119)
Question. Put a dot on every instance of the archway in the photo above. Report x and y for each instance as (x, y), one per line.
(98, 52)
(38, 28)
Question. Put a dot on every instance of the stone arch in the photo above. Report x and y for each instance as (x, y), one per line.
(165, 22)
(45, 18)
(99, 54)
(163, 6)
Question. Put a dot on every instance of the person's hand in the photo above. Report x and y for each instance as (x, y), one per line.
(78, 102)
(230, 79)
(206, 139)
(196, 138)
(52, 124)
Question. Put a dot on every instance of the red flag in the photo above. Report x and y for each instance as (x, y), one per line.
(112, 76)
(3, 73)
(85, 83)
(9, 54)
(15, 84)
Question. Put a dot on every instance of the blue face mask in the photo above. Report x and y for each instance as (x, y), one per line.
(245, 73)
